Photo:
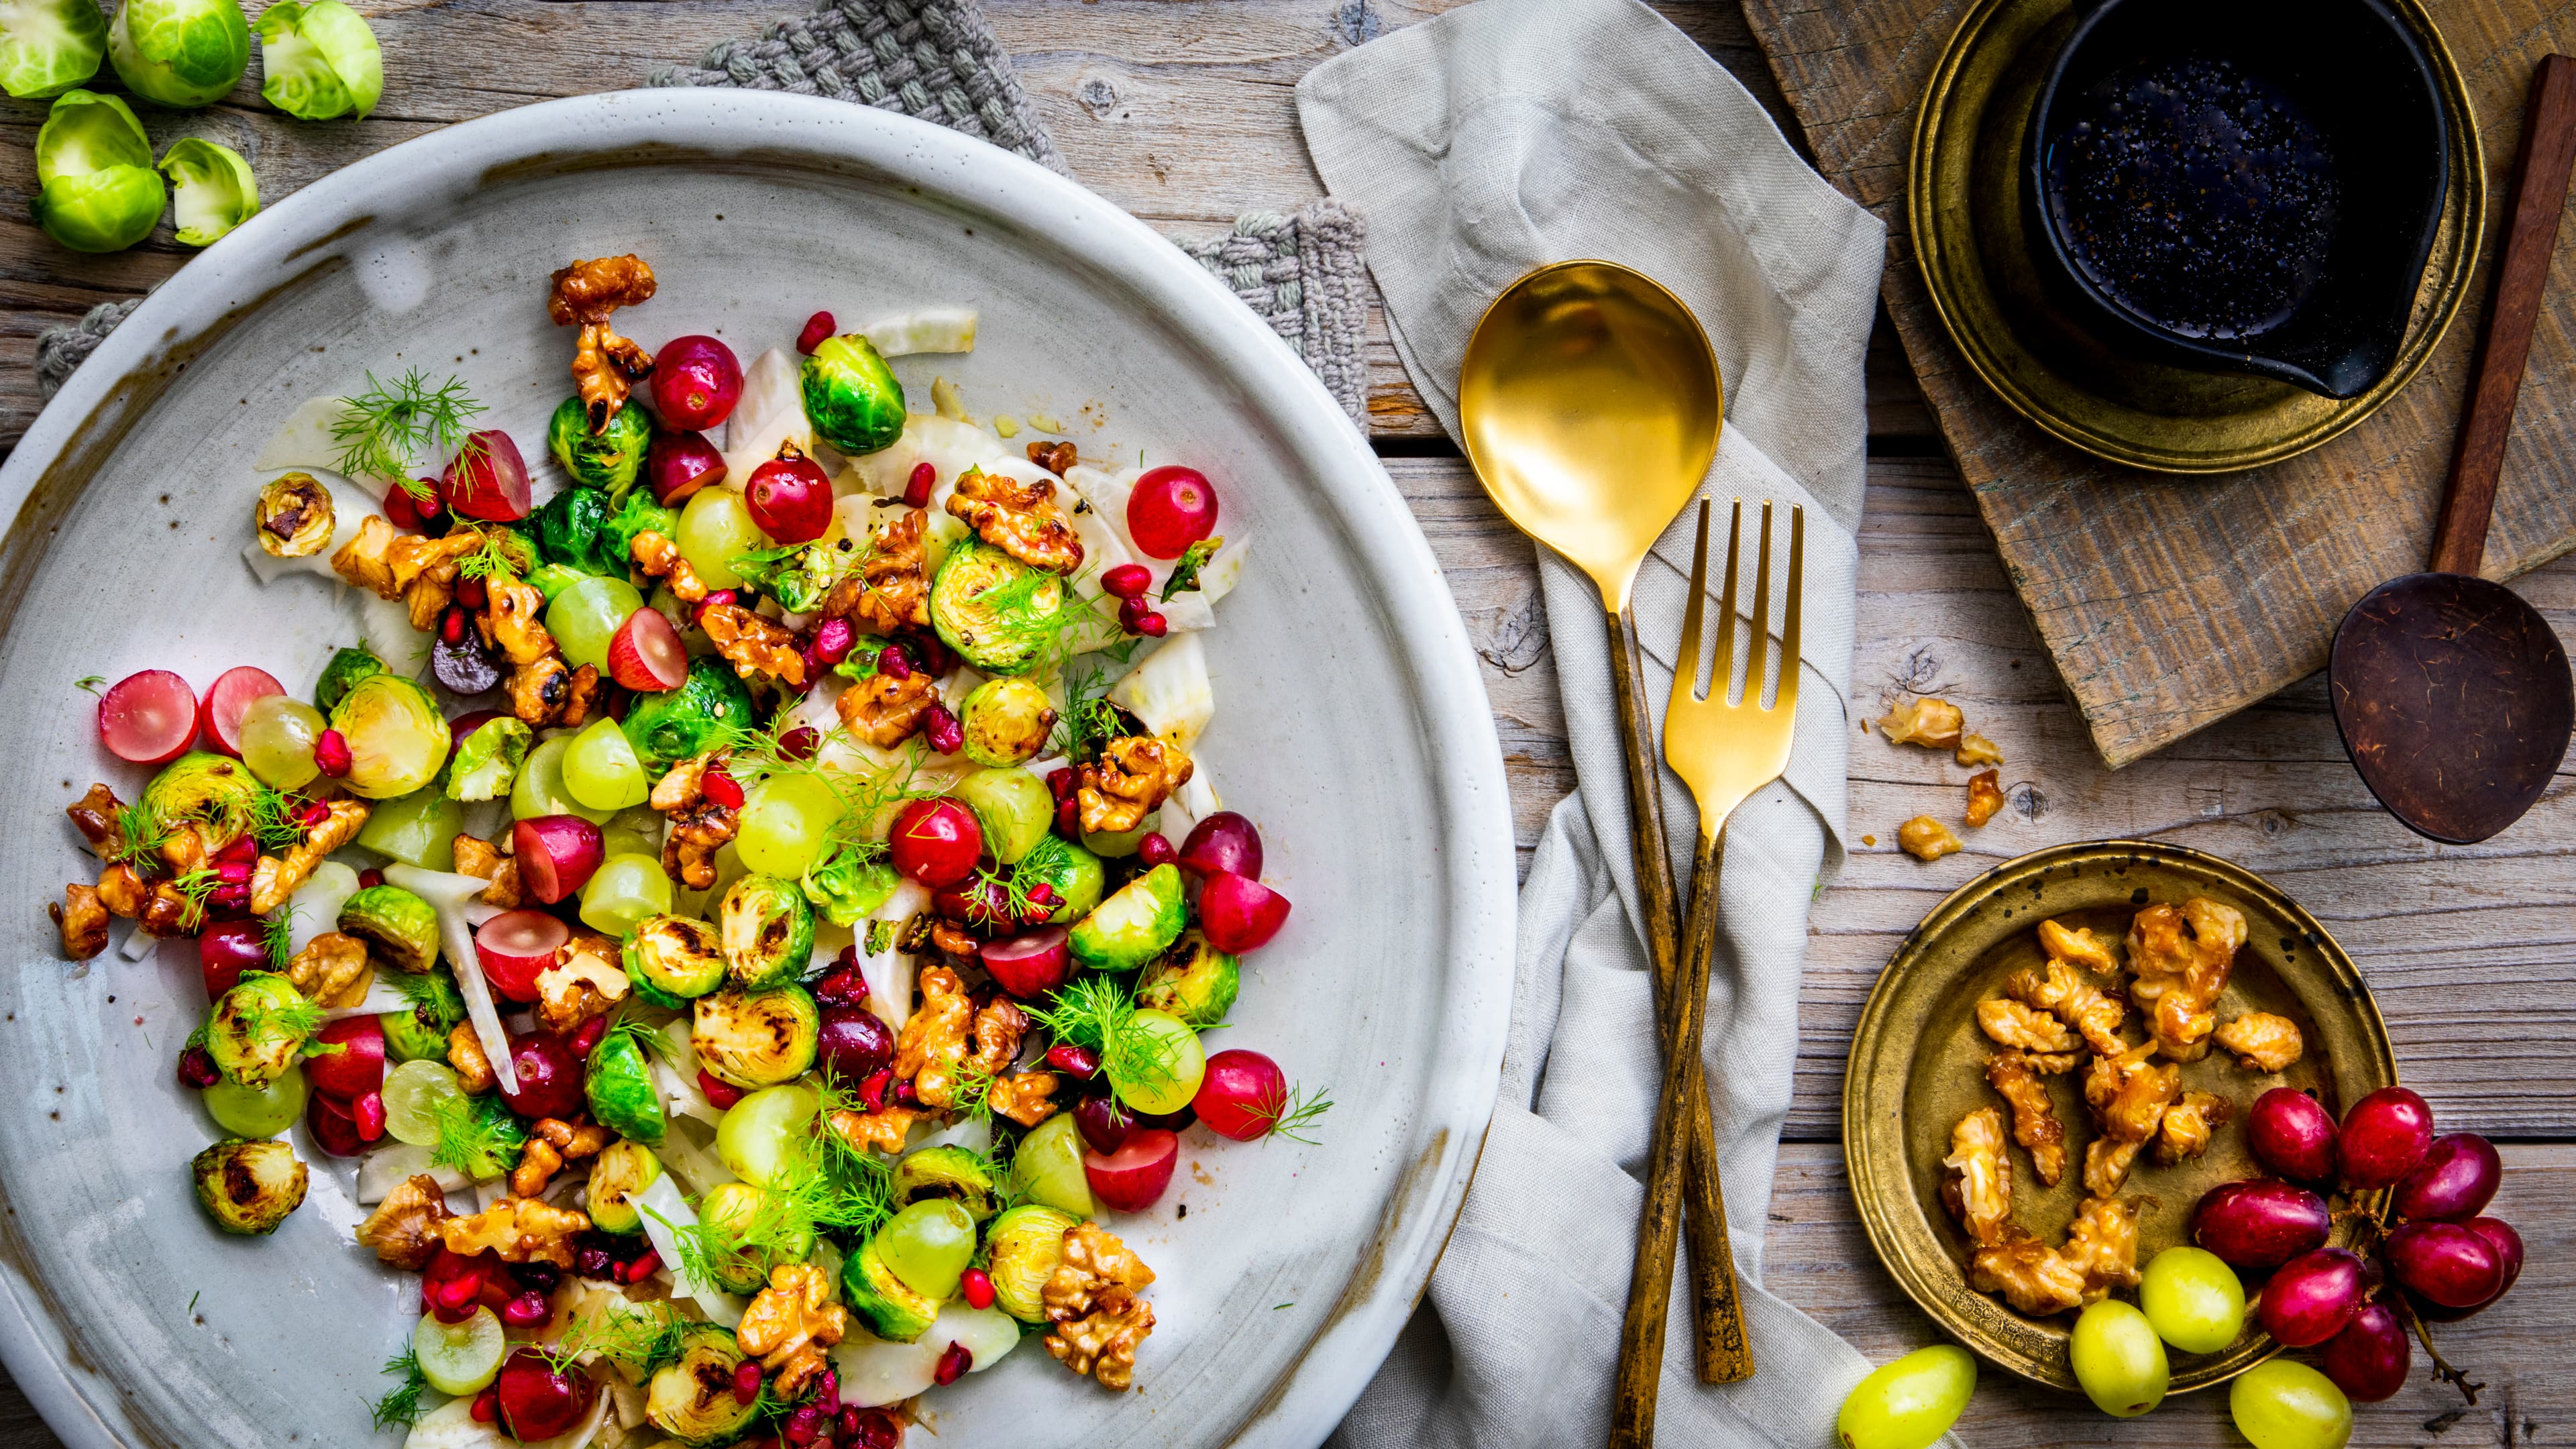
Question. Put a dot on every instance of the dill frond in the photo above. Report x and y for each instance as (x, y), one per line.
(392, 426)
(400, 1408)
(277, 933)
(1292, 1115)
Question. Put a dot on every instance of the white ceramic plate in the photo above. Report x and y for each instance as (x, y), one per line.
(1351, 725)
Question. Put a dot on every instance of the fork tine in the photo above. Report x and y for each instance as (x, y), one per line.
(1760, 660)
(1724, 678)
(1686, 672)
(1789, 631)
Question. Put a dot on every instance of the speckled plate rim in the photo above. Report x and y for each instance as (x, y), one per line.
(1942, 229)
(1874, 1147)
(79, 1397)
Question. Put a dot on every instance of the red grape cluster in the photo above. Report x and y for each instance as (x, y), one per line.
(2430, 1255)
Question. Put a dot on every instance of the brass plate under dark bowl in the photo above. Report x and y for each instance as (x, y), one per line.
(1963, 197)
(1918, 1065)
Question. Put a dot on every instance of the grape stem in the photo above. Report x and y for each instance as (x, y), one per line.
(2442, 1370)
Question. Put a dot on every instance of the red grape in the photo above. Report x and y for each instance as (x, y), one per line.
(646, 655)
(696, 381)
(1239, 913)
(790, 498)
(219, 715)
(1103, 1122)
(148, 718)
(2384, 1136)
(2369, 1358)
(1132, 1178)
(2452, 1265)
(2508, 1248)
(1226, 842)
(1242, 1096)
(1171, 508)
(549, 1077)
(2457, 1180)
(226, 949)
(556, 854)
(853, 1043)
(679, 464)
(515, 946)
(2292, 1135)
(2260, 1224)
(1029, 964)
(936, 842)
(487, 478)
(358, 1067)
(2310, 1298)
(333, 1126)
(536, 1400)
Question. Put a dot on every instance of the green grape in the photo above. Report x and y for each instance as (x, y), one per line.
(1049, 1166)
(626, 889)
(1164, 1076)
(601, 769)
(418, 829)
(257, 1111)
(715, 527)
(783, 824)
(415, 1093)
(277, 735)
(1122, 844)
(636, 830)
(2118, 1359)
(928, 1246)
(584, 617)
(1013, 807)
(754, 1137)
(2284, 1404)
(2193, 1298)
(1911, 1402)
(459, 1358)
(540, 790)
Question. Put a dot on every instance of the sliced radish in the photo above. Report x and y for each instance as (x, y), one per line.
(149, 718)
(515, 946)
(219, 714)
(646, 655)
(1029, 964)
(1132, 1178)
(556, 854)
(487, 478)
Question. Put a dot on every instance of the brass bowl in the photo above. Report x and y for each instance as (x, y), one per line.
(1963, 204)
(1918, 1059)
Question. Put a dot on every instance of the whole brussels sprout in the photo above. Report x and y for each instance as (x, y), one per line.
(571, 530)
(487, 760)
(949, 1172)
(851, 396)
(678, 723)
(399, 927)
(420, 1034)
(995, 611)
(692, 1400)
(621, 1170)
(1007, 722)
(179, 52)
(888, 1305)
(341, 674)
(96, 189)
(249, 1186)
(49, 46)
(609, 459)
(767, 931)
(673, 960)
(845, 888)
(215, 793)
(318, 61)
(1193, 981)
(258, 1029)
(618, 1082)
(756, 1038)
(553, 578)
(1076, 874)
(1013, 807)
(397, 738)
(212, 188)
(493, 1138)
(1134, 926)
(738, 1206)
(1027, 1244)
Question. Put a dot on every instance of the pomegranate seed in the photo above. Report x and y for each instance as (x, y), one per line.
(1155, 850)
(486, 1404)
(827, 1390)
(244, 848)
(543, 1277)
(1131, 611)
(472, 594)
(873, 1090)
(978, 1288)
(451, 626)
(331, 753)
(892, 662)
(527, 1310)
(874, 1429)
(722, 788)
(312, 813)
(369, 1111)
(714, 598)
(842, 986)
(832, 640)
(646, 1265)
(953, 1364)
(1153, 625)
(947, 736)
(904, 1094)
(197, 1068)
(806, 1423)
(455, 1299)
(1127, 581)
(722, 1094)
(799, 744)
(1062, 780)
(916, 489)
(849, 1421)
(370, 878)
(746, 1382)
(232, 872)
(1068, 818)
(593, 1262)
(588, 1036)
(818, 330)
(1041, 904)
(1079, 1062)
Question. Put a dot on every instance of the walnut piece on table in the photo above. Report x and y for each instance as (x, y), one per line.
(2066, 995)
(2261, 1041)
(1978, 1187)
(1975, 750)
(1092, 1301)
(1927, 839)
(82, 919)
(2035, 1124)
(2188, 1125)
(1935, 724)
(1985, 797)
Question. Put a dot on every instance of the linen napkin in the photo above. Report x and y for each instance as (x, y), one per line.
(1483, 143)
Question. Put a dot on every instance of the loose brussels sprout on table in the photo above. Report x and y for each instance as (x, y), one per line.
(212, 188)
(397, 736)
(258, 1029)
(609, 459)
(621, 1170)
(487, 760)
(618, 1082)
(1007, 722)
(249, 1187)
(96, 189)
(693, 1400)
(341, 674)
(1193, 981)
(997, 612)
(399, 928)
(180, 53)
(851, 396)
(216, 793)
(678, 723)
(756, 1038)
(318, 61)
(1133, 926)
(674, 960)
(767, 930)
(49, 46)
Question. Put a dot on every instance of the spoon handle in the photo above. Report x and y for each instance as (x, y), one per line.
(2540, 172)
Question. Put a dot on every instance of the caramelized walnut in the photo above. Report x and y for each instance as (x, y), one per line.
(403, 1229)
(1985, 797)
(1935, 724)
(891, 590)
(1018, 518)
(1132, 778)
(603, 364)
(1925, 838)
(886, 711)
(520, 1229)
(82, 919)
(753, 645)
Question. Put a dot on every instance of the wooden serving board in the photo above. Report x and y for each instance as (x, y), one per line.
(2169, 603)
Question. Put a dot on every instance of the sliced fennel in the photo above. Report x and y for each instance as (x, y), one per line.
(381, 1171)
(770, 415)
(665, 1214)
(449, 894)
(315, 906)
(928, 329)
(1170, 692)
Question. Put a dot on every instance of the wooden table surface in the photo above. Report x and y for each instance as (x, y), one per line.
(1182, 112)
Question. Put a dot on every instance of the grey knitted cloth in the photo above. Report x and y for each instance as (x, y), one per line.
(60, 349)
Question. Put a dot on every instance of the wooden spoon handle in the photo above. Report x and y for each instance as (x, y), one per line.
(2540, 172)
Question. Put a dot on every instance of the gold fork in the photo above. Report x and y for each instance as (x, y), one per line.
(1724, 752)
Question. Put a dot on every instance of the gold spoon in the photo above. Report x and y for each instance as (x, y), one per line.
(1590, 403)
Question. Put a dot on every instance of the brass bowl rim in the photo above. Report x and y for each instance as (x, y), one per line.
(1873, 1197)
(1929, 241)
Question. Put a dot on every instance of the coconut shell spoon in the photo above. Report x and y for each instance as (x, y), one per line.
(2452, 693)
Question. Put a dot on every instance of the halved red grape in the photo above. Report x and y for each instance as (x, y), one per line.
(936, 842)
(333, 1126)
(1239, 913)
(1030, 964)
(2292, 1135)
(852, 1043)
(149, 717)
(515, 946)
(1171, 508)
(2448, 1263)
(1225, 842)
(357, 1068)
(679, 464)
(556, 854)
(2310, 1298)
(1132, 1178)
(226, 949)
(2457, 1179)
(2384, 1137)
(487, 478)
(790, 498)
(2260, 1224)
(2368, 1360)
(1242, 1096)
(696, 381)
(534, 1400)
(219, 714)
(646, 655)
(1103, 1122)
(549, 1077)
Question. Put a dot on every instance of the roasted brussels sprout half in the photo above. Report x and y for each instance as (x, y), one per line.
(949, 1172)
(553, 578)
(756, 1038)
(1135, 925)
(318, 61)
(1193, 981)
(1027, 1244)
(767, 931)
(1007, 722)
(743, 1213)
(693, 1400)
(851, 396)
(621, 1170)
(487, 761)
(673, 960)
(49, 46)
(997, 612)
(678, 723)
(397, 737)
(181, 53)
(609, 459)
(492, 1140)
(211, 190)
(96, 189)
(845, 888)
(420, 1034)
(889, 1306)
(295, 516)
(258, 1029)
(572, 531)
(215, 793)
(618, 1083)
(400, 928)
(341, 674)
(1076, 874)
(249, 1186)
